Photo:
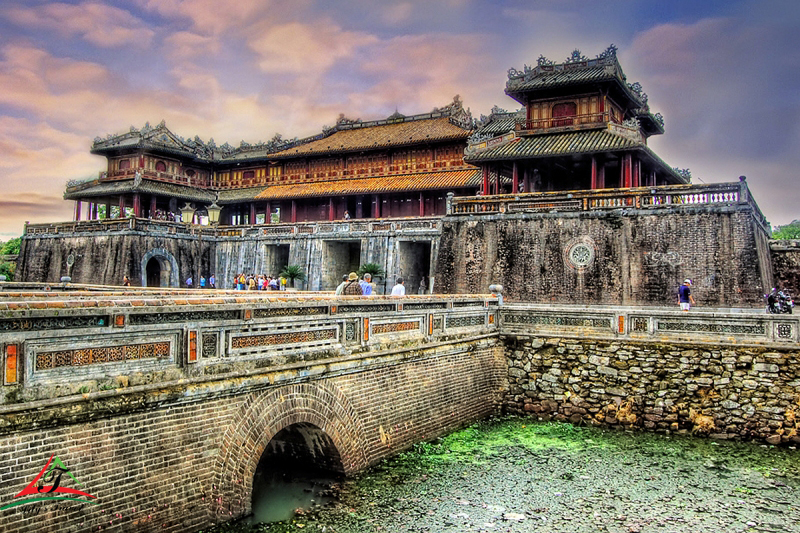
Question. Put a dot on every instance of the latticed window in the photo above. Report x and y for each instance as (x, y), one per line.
(124, 164)
(161, 166)
(563, 113)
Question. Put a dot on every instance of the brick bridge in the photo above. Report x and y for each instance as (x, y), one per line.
(162, 403)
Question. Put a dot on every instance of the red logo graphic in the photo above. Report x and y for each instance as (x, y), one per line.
(51, 473)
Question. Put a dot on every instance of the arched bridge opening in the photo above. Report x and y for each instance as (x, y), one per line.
(297, 471)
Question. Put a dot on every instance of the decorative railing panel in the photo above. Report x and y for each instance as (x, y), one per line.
(651, 324)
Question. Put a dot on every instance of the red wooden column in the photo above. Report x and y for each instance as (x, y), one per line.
(526, 180)
(359, 207)
(421, 205)
(294, 211)
(121, 207)
(637, 171)
(485, 169)
(331, 210)
(152, 206)
(268, 213)
(252, 217)
(601, 177)
(594, 173)
(515, 178)
(627, 171)
(77, 210)
(137, 205)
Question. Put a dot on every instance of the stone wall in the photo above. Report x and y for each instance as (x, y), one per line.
(181, 457)
(786, 265)
(725, 391)
(621, 256)
(102, 252)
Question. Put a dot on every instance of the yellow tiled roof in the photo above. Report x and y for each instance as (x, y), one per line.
(381, 184)
(370, 137)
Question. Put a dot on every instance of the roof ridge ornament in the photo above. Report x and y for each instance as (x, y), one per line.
(576, 57)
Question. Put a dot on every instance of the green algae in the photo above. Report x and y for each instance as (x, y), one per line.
(414, 486)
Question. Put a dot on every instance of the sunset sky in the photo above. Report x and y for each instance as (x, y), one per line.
(724, 73)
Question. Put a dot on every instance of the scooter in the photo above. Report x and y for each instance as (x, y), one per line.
(779, 302)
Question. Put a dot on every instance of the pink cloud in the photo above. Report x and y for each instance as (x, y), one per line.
(102, 25)
(185, 45)
(213, 18)
(304, 48)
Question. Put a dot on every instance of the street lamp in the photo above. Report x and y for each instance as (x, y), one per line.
(213, 213)
(187, 213)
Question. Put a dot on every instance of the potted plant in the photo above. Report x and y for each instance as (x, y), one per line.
(292, 273)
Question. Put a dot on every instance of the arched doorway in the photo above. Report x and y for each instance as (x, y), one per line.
(159, 269)
(153, 273)
(297, 470)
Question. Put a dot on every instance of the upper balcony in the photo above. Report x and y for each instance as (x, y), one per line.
(565, 123)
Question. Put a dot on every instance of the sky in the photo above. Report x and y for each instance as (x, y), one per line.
(724, 74)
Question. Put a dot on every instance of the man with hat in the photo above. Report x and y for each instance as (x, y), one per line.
(685, 298)
(352, 287)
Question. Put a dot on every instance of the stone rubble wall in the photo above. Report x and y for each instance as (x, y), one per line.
(725, 392)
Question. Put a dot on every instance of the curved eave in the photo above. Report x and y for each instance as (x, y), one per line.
(114, 188)
(588, 143)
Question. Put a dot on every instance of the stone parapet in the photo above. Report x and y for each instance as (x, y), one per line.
(81, 343)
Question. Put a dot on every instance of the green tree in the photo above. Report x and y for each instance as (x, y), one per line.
(788, 231)
(8, 270)
(11, 247)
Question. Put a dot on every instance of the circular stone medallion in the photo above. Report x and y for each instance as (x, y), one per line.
(579, 253)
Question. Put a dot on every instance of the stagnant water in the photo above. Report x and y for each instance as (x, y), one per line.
(277, 495)
(514, 475)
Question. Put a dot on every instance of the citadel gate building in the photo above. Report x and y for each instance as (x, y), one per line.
(561, 200)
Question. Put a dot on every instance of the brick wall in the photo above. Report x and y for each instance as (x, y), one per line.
(182, 457)
(725, 391)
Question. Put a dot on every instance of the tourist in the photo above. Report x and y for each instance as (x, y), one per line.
(352, 287)
(202, 282)
(189, 282)
(251, 283)
(125, 281)
(399, 289)
(366, 285)
(685, 298)
(212, 282)
(273, 284)
(423, 286)
(346, 215)
(340, 288)
(262, 282)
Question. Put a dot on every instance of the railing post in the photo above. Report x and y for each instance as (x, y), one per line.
(449, 203)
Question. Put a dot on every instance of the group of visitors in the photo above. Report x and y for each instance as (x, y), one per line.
(261, 282)
(352, 286)
(210, 283)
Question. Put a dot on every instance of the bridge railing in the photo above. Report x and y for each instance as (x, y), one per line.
(117, 225)
(717, 327)
(87, 342)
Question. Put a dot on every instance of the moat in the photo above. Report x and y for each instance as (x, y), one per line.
(516, 474)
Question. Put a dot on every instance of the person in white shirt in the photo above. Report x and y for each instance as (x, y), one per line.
(399, 289)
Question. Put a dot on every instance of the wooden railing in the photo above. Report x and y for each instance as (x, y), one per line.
(592, 119)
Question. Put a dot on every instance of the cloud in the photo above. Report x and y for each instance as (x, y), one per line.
(184, 45)
(210, 17)
(102, 25)
(729, 106)
(304, 48)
